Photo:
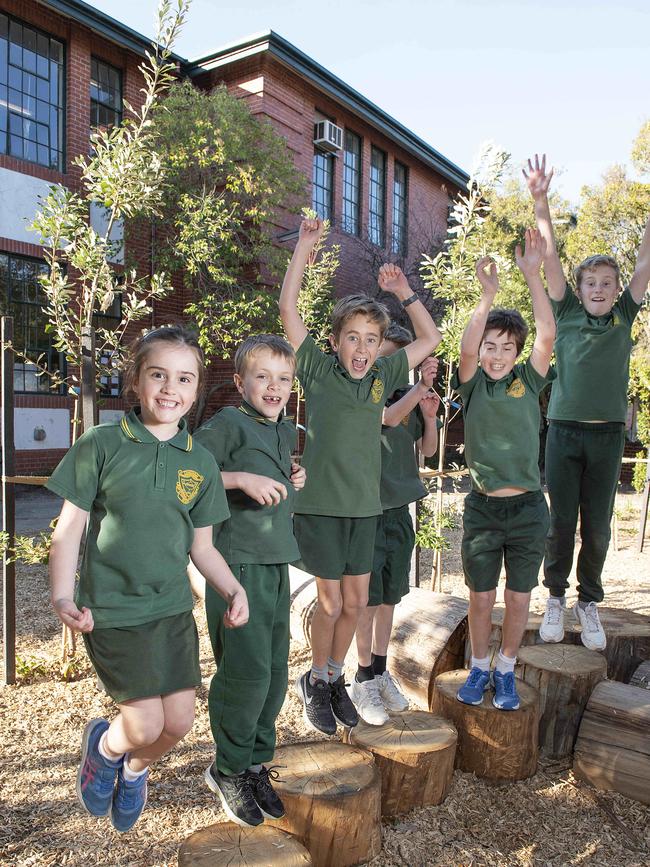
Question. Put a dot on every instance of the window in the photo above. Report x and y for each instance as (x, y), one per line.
(110, 380)
(377, 200)
(31, 94)
(400, 209)
(25, 298)
(351, 183)
(105, 95)
(323, 178)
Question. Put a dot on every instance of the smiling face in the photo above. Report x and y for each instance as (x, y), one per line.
(166, 386)
(598, 289)
(357, 345)
(266, 381)
(497, 353)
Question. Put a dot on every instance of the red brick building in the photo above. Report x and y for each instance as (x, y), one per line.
(65, 67)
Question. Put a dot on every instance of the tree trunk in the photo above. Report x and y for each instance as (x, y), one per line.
(565, 676)
(415, 753)
(332, 795)
(229, 845)
(612, 751)
(641, 676)
(495, 744)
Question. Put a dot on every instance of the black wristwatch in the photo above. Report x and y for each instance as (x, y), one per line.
(410, 300)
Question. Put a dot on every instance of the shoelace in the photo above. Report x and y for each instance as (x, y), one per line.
(391, 683)
(509, 683)
(263, 781)
(372, 693)
(591, 616)
(553, 614)
(474, 676)
(244, 791)
(321, 696)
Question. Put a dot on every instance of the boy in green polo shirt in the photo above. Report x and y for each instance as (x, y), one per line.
(252, 445)
(336, 512)
(587, 413)
(505, 515)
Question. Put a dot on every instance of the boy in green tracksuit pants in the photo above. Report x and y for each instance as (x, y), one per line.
(587, 414)
(253, 445)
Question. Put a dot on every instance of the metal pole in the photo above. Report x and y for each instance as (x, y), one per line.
(8, 501)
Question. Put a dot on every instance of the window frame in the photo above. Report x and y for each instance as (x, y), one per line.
(377, 218)
(315, 203)
(399, 239)
(351, 223)
(96, 102)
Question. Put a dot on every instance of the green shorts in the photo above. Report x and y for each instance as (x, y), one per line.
(153, 658)
(394, 541)
(331, 547)
(504, 528)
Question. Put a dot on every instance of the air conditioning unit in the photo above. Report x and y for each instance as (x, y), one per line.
(328, 136)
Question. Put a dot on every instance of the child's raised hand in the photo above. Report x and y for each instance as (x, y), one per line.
(536, 178)
(530, 261)
(429, 404)
(486, 271)
(71, 616)
(392, 279)
(237, 613)
(310, 233)
(298, 476)
(262, 489)
(428, 371)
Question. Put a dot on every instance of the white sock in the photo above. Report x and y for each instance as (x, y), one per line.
(103, 750)
(255, 768)
(505, 663)
(481, 662)
(128, 773)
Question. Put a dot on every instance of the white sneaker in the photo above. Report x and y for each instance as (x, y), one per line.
(368, 703)
(552, 628)
(593, 635)
(391, 695)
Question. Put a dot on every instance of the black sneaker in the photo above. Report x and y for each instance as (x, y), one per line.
(344, 711)
(264, 793)
(235, 795)
(317, 711)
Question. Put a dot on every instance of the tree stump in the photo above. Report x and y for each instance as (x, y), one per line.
(612, 750)
(495, 744)
(628, 637)
(332, 795)
(415, 753)
(641, 676)
(229, 844)
(564, 675)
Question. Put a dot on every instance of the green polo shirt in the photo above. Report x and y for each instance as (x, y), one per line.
(592, 360)
(502, 427)
(241, 440)
(400, 477)
(342, 452)
(145, 497)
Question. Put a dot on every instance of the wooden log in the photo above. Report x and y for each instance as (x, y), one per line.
(495, 744)
(415, 753)
(564, 675)
(229, 844)
(628, 637)
(641, 676)
(332, 795)
(612, 750)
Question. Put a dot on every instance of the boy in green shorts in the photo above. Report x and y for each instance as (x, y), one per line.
(505, 515)
(409, 418)
(336, 513)
(587, 413)
(252, 445)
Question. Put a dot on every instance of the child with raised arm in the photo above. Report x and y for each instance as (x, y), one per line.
(150, 495)
(505, 516)
(253, 444)
(336, 512)
(409, 419)
(587, 413)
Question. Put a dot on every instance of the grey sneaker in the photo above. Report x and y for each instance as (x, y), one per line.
(390, 692)
(593, 635)
(552, 628)
(367, 700)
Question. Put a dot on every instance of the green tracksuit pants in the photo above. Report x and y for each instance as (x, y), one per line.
(248, 689)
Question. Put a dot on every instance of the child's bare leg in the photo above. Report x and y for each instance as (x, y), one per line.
(354, 590)
(480, 620)
(382, 629)
(514, 621)
(364, 634)
(326, 615)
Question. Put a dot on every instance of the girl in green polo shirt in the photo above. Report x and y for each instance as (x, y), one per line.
(148, 496)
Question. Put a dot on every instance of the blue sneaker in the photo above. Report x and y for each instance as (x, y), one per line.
(96, 775)
(505, 691)
(128, 801)
(471, 692)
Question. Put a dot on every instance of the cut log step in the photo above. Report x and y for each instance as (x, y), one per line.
(415, 753)
(332, 795)
(495, 744)
(612, 750)
(641, 676)
(564, 675)
(229, 845)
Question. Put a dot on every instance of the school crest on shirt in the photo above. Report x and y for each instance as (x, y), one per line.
(616, 320)
(188, 485)
(377, 391)
(516, 388)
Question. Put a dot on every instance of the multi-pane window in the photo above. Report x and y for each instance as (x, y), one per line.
(23, 294)
(105, 94)
(110, 380)
(31, 94)
(400, 209)
(377, 198)
(351, 183)
(323, 184)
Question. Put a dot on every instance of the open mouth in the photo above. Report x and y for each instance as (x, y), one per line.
(359, 364)
(167, 404)
(270, 399)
